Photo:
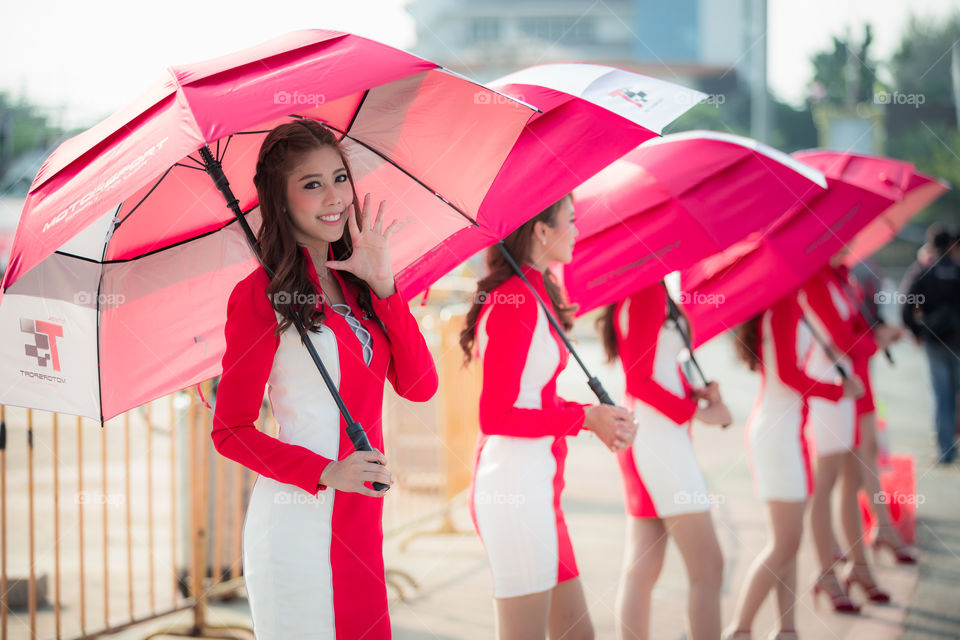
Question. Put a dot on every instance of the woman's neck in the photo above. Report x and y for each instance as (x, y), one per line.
(318, 252)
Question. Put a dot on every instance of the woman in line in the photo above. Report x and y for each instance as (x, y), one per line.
(883, 335)
(312, 536)
(518, 471)
(665, 493)
(836, 436)
(773, 343)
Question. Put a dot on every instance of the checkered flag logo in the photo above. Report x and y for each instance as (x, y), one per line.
(43, 341)
(634, 95)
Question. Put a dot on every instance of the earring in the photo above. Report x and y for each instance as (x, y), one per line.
(543, 241)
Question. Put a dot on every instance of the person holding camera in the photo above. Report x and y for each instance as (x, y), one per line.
(312, 535)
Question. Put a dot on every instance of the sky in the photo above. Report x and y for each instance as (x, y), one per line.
(84, 59)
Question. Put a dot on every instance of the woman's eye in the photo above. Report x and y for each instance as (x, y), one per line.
(341, 178)
(313, 184)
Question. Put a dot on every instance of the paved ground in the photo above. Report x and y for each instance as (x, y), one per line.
(453, 599)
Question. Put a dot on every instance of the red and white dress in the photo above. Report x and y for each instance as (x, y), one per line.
(776, 443)
(833, 316)
(518, 472)
(661, 476)
(866, 345)
(312, 556)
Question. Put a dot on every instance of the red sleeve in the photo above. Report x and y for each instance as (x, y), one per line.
(646, 315)
(510, 328)
(841, 331)
(247, 361)
(784, 321)
(412, 371)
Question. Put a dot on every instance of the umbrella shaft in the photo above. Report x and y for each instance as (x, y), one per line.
(826, 347)
(592, 380)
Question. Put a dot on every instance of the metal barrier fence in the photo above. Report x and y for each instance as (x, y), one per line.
(103, 529)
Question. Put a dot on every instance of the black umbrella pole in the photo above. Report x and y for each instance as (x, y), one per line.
(354, 431)
(826, 347)
(594, 383)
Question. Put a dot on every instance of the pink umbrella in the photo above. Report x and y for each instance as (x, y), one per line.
(732, 286)
(673, 201)
(590, 115)
(125, 254)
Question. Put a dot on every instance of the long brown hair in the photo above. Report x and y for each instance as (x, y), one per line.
(499, 271)
(747, 344)
(280, 152)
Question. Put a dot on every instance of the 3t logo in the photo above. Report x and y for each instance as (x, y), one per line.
(44, 346)
(635, 96)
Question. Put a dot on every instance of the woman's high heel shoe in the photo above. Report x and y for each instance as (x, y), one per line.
(783, 635)
(733, 634)
(828, 585)
(902, 553)
(859, 574)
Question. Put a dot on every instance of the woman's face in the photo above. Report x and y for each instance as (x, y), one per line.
(561, 237)
(319, 195)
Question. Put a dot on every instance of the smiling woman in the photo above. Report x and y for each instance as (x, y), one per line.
(312, 538)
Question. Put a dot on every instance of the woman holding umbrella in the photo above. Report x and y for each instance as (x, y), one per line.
(312, 538)
(666, 494)
(773, 343)
(834, 318)
(518, 472)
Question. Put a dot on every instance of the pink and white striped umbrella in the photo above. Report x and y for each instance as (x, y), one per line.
(125, 254)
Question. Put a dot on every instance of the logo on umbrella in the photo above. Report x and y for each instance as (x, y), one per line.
(44, 345)
(634, 95)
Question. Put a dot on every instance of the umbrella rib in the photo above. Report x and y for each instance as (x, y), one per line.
(147, 195)
(409, 175)
(356, 112)
(225, 147)
(186, 166)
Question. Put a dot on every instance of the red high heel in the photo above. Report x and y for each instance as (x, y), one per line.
(828, 585)
(859, 574)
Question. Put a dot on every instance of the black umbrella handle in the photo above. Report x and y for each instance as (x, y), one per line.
(592, 381)
(868, 317)
(354, 431)
(674, 313)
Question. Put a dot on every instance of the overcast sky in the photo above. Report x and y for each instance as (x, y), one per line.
(85, 59)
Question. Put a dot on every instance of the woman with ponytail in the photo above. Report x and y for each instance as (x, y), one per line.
(665, 492)
(775, 343)
(518, 471)
(312, 536)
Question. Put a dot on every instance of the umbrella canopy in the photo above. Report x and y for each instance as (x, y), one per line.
(919, 190)
(732, 286)
(125, 254)
(590, 115)
(672, 201)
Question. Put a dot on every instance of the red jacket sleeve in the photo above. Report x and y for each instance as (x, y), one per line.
(646, 315)
(510, 330)
(784, 321)
(247, 361)
(412, 371)
(841, 331)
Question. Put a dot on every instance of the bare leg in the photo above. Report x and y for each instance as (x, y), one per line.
(643, 560)
(871, 478)
(697, 541)
(569, 616)
(772, 568)
(523, 617)
(827, 472)
(850, 507)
